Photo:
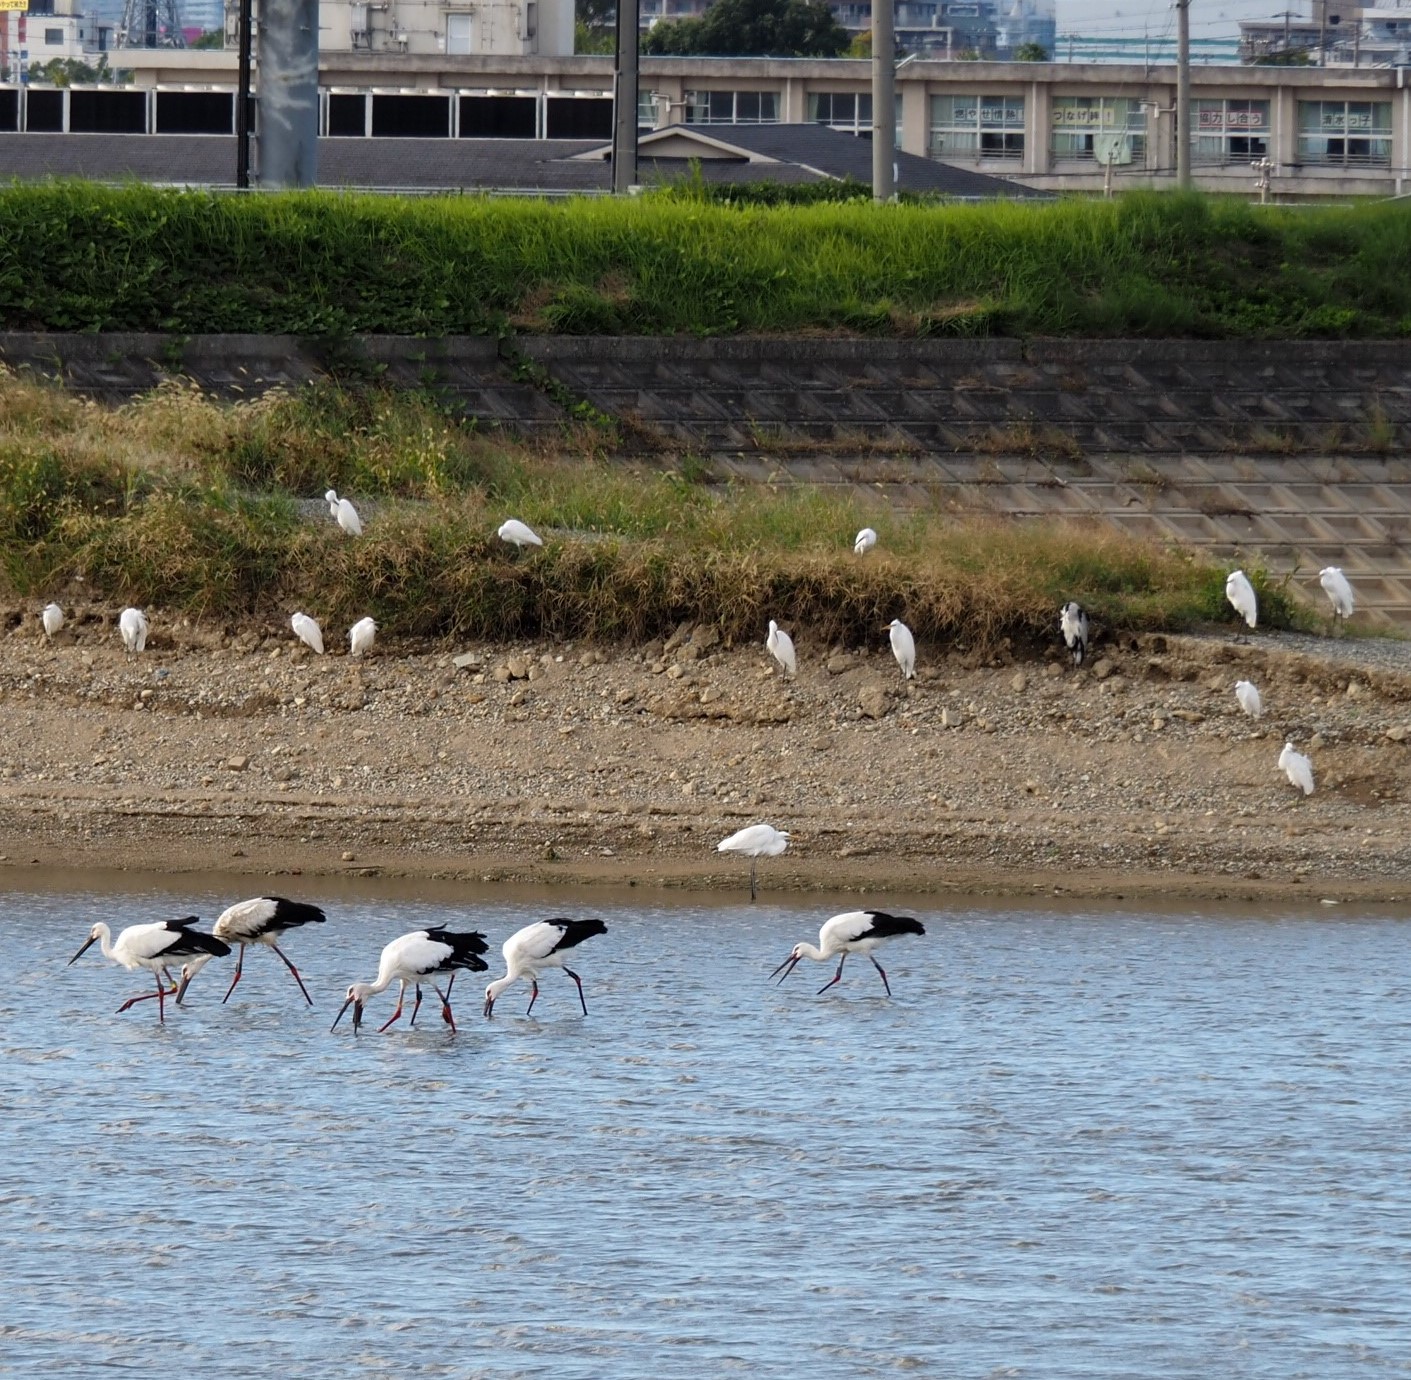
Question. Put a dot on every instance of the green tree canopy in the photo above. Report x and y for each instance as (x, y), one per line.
(753, 28)
(1031, 52)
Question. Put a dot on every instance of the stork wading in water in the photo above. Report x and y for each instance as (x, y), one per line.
(156, 947)
(545, 944)
(853, 932)
(263, 921)
(416, 958)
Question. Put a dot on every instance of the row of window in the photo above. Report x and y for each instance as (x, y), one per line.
(967, 127)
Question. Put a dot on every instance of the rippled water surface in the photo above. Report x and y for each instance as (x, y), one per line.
(1091, 1144)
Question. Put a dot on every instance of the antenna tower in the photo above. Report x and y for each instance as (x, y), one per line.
(151, 24)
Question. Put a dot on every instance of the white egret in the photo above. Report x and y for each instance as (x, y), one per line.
(132, 624)
(1248, 696)
(413, 959)
(853, 932)
(1240, 593)
(1336, 587)
(753, 842)
(1073, 623)
(360, 636)
(517, 533)
(308, 632)
(343, 512)
(263, 921)
(903, 647)
(1297, 768)
(53, 619)
(866, 540)
(544, 944)
(781, 648)
(156, 947)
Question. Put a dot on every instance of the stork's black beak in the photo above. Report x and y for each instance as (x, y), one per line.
(87, 944)
(489, 1006)
(357, 1015)
(786, 967)
(183, 984)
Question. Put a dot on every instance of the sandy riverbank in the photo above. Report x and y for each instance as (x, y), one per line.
(237, 751)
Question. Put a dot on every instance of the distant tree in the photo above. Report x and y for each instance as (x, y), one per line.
(1031, 52)
(1288, 57)
(212, 38)
(968, 55)
(754, 28)
(594, 26)
(71, 72)
(861, 45)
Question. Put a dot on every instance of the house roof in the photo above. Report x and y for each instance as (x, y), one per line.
(723, 153)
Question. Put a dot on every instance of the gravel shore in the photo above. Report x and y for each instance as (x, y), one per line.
(240, 751)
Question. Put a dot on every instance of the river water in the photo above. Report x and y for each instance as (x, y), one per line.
(1079, 1144)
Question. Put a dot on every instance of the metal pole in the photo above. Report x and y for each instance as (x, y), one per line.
(884, 99)
(242, 100)
(624, 94)
(1183, 94)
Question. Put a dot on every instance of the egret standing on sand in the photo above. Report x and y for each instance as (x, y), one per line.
(544, 944)
(1248, 696)
(903, 647)
(360, 637)
(866, 540)
(1297, 768)
(1336, 587)
(853, 932)
(343, 512)
(413, 959)
(53, 619)
(781, 648)
(133, 626)
(262, 921)
(1240, 593)
(517, 533)
(307, 631)
(754, 842)
(156, 947)
(1073, 624)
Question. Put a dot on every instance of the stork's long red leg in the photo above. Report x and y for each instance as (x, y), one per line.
(288, 965)
(582, 1002)
(533, 995)
(836, 976)
(401, 996)
(881, 970)
(446, 1005)
(239, 964)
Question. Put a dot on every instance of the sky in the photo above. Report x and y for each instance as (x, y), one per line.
(1133, 18)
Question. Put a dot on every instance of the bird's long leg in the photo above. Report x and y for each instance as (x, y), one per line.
(752, 868)
(581, 1001)
(449, 985)
(160, 994)
(239, 964)
(416, 1006)
(446, 1004)
(287, 964)
(836, 976)
(533, 995)
(881, 970)
(401, 995)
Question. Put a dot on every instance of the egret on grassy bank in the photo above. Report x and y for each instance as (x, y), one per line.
(52, 618)
(544, 944)
(517, 533)
(1297, 768)
(781, 648)
(1336, 587)
(1073, 624)
(413, 959)
(1240, 593)
(853, 932)
(1248, 696)
(263, 921)
(132, 624)
(156, 947)
(307, 631)
(903, 647)
(360, 637)
(866, 540)
(753, 842)
(343, 512)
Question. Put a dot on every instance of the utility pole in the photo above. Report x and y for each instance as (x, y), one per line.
(1183, 94)
(242, 100)
(884, 100)
(624, 92)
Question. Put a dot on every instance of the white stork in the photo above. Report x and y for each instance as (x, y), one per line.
(544, 944)
(414, 958)
(156, 947)
(853, 932)
(263, 921)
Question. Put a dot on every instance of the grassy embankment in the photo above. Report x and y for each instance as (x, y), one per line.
(187, 504)
(182, 503)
